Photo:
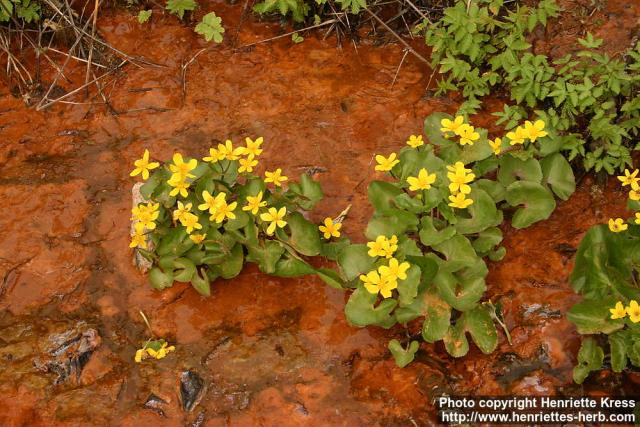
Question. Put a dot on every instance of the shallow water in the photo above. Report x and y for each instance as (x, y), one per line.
(270, 351)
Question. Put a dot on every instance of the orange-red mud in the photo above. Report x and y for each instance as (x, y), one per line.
(271, 351)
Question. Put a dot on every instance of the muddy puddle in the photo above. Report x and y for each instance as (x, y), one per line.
(260, 350)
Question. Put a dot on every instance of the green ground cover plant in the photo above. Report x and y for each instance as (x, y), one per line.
(436, 223)
(205, 219)
(591, 99)
(210, 26)
(606, 276)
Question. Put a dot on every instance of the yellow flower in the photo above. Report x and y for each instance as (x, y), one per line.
(386, 164)
(182, 209)
(140, 354)
(383, 247)
(146, 215)
(182, 169)
(226, 151)
(634, 195)
(190, 221)
(467, 134)
(449, 126)
(496, 145)
(276, 177)
(375, 283)
(637, 220)
(618, 312)
(633, 310)
(254, 203)
(275, 218)
(214, 156)
(617, 225)
(143, 166)
(247, 164)
(179, 184)
(422, 182)
(252, 147)
(459, 200)
(138, 240)
(223, 210)
(148, 351)
(197, 238)
(210, 202)
(162, 352)
(395, 269)
(630, 178)
(517, 137)
(330, 229)
(415, 141)
(534, 130)
(459, 178)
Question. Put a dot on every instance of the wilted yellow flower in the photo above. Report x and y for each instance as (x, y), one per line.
(415, 141)
(422, 182)
(637, 220)
(226, 151)
(518, 136)
(451, 127)
(618, 312)
(330, 229)
(634, 195)
(395, 269)
(633, 310)
(617, 225)
(143, 166)
(197, 238)
(182, 169)
(467, 134)
(182, 209)
(276, 177)
(385, 164)
(275, 218)
(534, 130)
(155, 349)
(254, 203)
(460, 201)
(496, 145)
(252, 147)
(630, 178)
(247, 164)
(190, 221)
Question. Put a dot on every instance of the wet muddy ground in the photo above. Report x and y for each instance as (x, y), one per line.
(260, 350)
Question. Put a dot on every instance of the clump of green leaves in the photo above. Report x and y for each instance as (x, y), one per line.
(590, 98)
(205, 220)
(26, 10)
(210, 27)
(299, 10)
(144, 15)
(606, 274)
(441, 246)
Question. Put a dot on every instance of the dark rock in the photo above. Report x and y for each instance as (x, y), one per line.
(67, 353)
(156, 404)
(191, 389)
